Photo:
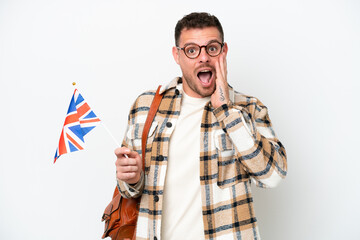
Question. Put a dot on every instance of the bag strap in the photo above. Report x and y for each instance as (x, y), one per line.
(149, 119)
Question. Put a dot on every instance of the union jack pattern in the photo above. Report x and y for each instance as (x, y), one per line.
(80, 120)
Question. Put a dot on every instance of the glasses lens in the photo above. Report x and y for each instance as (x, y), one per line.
(192, 51)
(213, 49)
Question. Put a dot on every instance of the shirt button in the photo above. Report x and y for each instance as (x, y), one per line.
(161, 158)
(169, 124)
(177, 92)
(156, 198)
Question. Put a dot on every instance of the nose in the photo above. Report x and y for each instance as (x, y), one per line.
(203, 56)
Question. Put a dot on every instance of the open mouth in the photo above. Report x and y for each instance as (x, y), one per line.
(205, 77)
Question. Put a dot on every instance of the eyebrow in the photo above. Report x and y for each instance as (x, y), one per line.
(211, 41)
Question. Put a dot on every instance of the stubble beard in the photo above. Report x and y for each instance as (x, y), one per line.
(192, 85)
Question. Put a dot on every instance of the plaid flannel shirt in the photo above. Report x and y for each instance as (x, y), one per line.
(238, 145)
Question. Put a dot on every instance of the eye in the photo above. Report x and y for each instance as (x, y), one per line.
(212, 48)
(191, 50)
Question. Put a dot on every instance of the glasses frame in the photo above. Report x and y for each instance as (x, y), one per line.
(200, 47)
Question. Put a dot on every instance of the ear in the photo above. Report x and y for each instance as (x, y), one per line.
(175, 53)
(225, 48)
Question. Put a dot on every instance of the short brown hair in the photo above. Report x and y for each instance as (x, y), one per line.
(197, 20)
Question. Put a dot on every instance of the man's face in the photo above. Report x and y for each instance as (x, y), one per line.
(199, 74)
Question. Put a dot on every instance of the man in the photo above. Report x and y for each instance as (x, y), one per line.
(205, 145)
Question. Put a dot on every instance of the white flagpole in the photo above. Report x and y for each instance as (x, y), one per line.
(110, 133)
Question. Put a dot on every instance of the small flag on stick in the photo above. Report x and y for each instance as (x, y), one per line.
(80, 120)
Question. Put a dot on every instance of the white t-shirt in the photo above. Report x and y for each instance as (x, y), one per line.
(182, 208)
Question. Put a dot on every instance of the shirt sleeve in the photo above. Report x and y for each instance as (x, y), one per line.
(131, 190)
(256, 146)
(125, 189)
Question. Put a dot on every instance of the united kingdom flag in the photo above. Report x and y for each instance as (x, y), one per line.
(80, 120)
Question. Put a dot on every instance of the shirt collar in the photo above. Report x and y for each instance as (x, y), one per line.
(173, 84)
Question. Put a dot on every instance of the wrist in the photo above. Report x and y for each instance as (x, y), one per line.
(222, 111)
(135, 181)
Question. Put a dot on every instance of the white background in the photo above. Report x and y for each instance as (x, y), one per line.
(300, 58)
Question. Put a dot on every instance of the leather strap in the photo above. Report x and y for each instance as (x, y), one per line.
(149, 119)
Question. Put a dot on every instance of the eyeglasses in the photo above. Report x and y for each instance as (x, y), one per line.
(193, 50)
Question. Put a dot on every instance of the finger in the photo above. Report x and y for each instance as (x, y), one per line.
(225, 66)
(128, 169)
(119, 152)
(222, 62)
(218, 70)
(126, 176)
(133, 154)
(126, 162)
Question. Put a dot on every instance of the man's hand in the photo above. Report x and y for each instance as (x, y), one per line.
(128, 169)
(221, 93)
